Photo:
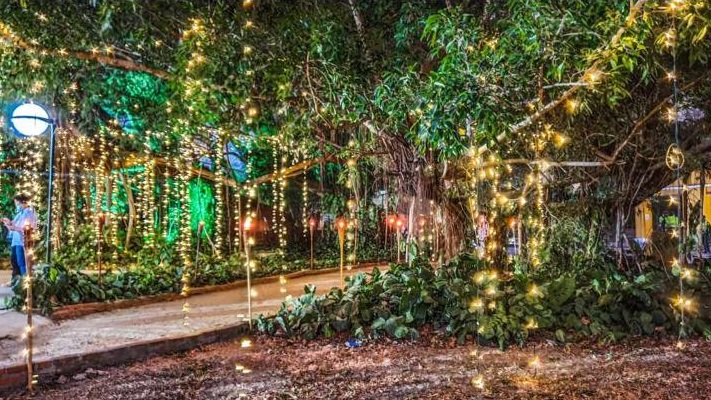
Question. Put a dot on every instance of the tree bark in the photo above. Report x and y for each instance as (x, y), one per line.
(131, 209)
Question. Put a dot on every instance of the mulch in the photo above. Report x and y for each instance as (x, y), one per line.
(432, 367)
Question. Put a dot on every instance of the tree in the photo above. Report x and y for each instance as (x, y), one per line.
(431, 94)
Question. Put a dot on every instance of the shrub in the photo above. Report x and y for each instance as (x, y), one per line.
(466, 300)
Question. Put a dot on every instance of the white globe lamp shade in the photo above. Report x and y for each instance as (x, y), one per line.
(29, 120)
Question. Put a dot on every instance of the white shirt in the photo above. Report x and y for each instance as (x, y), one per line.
(24, 217)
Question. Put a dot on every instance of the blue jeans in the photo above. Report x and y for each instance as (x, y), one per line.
(17, 259)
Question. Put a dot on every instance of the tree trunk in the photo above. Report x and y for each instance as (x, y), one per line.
(410, 229)
(618, 235)
(131, 210)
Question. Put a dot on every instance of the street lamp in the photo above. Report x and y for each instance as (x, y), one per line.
(30, 120)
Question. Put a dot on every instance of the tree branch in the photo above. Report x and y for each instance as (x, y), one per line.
(7, 36)
(654, 111)
(634, 9)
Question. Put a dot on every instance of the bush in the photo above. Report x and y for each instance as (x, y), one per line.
(466, 300)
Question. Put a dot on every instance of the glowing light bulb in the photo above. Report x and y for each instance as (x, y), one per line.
(535, 362)
(592, 77)
(532, 324)
(687, 273)
(476, 304)
(478, 382)
(671, 115)
(571, 106)
(534, 291)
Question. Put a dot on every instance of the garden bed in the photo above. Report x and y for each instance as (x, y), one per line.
(429, 368)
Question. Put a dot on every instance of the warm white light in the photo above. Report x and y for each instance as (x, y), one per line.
(30, 119)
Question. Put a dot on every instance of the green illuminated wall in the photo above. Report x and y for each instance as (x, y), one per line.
(202, 205)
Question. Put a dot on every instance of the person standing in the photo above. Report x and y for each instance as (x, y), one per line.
(24, 217)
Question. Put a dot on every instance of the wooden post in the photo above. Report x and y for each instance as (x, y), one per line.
(398, 226)
(341, 225)
(248, 241)
(312, 225)
(29, 261)
(240, 243)
(99, 242)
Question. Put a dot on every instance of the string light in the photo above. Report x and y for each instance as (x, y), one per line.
(219, 191)
(675, 161)
(185, 292)
(150, 190)
(276, 192)
(478, 382)
(305, 204)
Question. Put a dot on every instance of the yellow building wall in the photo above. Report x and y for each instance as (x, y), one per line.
(707, 204)
(644, 221)
(644, 224)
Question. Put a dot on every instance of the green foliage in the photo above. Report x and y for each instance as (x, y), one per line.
(81, 254)
(466, 300)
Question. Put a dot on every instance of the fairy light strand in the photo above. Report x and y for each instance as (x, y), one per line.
(677, 163)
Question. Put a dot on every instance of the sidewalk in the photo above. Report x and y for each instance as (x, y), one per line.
(4, 290)
(160, 320)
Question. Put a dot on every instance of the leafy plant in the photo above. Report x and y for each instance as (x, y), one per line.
(465, 299)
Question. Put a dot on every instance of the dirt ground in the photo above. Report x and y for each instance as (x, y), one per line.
(431, 368)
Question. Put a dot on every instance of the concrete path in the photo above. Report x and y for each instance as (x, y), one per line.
(4, 290)
(160, 320)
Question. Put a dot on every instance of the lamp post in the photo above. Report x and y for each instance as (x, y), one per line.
(312, 225)
(390, 222)
(398, 226)
(29, 331)
(30, 120)
(248, 242)
(341, 225)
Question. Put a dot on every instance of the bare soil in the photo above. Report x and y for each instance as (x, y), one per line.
(430, 368)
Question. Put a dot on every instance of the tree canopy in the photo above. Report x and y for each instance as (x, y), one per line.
(447, 98)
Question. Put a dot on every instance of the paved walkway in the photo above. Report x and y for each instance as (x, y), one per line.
(4, 290)
(160, 320)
